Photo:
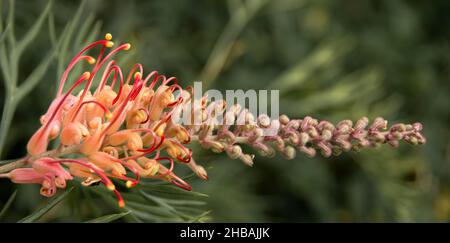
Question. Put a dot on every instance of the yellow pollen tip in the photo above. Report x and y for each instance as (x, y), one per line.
(127, 46)
(109, 44)
(108, 36)
(121, 204)
(91, 61)
(111, 187)
(159, 132)
(129, 184)
(137, 75)
(87, 75)
(108, 115)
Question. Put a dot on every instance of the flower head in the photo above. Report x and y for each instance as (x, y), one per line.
(121, 129)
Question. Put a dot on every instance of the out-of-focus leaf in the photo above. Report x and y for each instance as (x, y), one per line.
(3, 35)
(157, 204)
(8, 204)
(41, 212)
(199, 217)
(51, 29)
(324, 55)
(34, 30)
(66, 37)
(163, 204)
(108, 218)
(35, 76)
(83, 31)
(10, 22)
(172, 190)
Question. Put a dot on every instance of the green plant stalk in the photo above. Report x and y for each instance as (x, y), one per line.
(240, 17)
(10, 69)
(9, 109)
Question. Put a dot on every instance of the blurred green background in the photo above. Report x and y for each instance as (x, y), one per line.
(330, 59)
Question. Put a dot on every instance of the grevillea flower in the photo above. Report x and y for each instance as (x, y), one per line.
(121, 129)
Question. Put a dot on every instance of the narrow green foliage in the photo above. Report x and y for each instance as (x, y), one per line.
(8, 204)
(41, 212)
(108, 218)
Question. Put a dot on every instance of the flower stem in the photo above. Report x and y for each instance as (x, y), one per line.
(14, 165)
(25, 160)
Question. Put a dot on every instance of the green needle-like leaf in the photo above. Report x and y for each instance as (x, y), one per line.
(3, 35)
(199, 217)
(34, 30)
(67, 36)
(108, 218)
(41, 212)
(163, 204)
(8, 204)
(35, 76)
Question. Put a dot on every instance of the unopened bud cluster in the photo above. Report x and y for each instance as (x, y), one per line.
(308, 136)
